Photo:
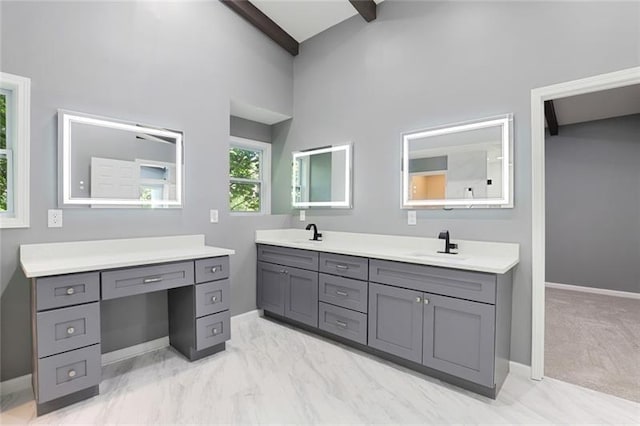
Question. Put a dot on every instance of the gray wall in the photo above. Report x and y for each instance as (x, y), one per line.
(593, 204)
(423, 64)
(176, 64)
(249, 129)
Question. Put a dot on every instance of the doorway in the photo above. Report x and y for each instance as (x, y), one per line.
(598, 83)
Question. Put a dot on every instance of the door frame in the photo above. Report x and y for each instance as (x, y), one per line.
(612, 80)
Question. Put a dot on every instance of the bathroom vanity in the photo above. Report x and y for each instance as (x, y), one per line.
(448, 316)
(68, 281)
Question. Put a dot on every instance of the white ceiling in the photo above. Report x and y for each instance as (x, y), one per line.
(598, 105)
(303, 19)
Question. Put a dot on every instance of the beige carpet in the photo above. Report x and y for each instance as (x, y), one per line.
(593, 341)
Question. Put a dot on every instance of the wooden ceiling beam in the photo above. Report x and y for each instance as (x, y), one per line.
(366, 8)
(552, 119)
(258, 19)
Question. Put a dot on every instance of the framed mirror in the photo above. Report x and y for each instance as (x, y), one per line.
(322, 177)
(459, 166)
(113, 163)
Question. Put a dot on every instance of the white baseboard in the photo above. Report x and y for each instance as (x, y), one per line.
(605, 292)
(21, 383)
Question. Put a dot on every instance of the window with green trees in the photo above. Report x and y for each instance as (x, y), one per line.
(249, 173)
(3, 154)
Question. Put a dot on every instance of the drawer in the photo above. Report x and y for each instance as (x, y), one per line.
(295, 258)
(62, 330)
(346, 266)
(146, 279)
(477, 286)
(69, 372)
(67, 290)
(212, 330)
(343, 292)
(212, 297)
(215, 268)
(343, 322)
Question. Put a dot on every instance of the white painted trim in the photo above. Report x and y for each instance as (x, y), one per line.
(597, 83)
(135, 350)
(21, 88)
(265, 172)
(21, 383)
(593, 290)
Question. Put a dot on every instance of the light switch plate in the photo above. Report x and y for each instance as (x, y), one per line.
(412, 218)
(54, 218)
(303, 215)
(213, 216)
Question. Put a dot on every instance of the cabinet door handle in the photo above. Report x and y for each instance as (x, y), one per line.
(341, 324)
(418, 299)
(343, 267)
(214, 299)
(342, 293)
(70, 291)
(214, 270)
(426, 301)
(214, 331)
(152, 280)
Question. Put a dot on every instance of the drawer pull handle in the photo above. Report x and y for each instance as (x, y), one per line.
(426, 301)
(71, 330)
(215, 331)
(341, 324)
(342, 293)
(152, 280)
(284, 271)
(214, 299)
(343, 267)
(214, 270)
(418, 299)
(70, 291)
(71, 373)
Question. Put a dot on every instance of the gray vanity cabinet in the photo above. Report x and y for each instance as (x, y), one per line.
(395, 321)
(290, 292)
(459, 338)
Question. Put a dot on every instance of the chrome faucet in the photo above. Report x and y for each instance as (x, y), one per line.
(448, 245)
(316, 235)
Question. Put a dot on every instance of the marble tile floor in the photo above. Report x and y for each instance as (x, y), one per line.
(272, 373)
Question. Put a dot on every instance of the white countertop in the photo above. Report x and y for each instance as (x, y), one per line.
(497, 258)
(39, 260)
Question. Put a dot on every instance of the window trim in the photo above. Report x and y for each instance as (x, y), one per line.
(265, 173)
(20, 147)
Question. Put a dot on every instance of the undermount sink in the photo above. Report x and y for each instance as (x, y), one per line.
(438, 256)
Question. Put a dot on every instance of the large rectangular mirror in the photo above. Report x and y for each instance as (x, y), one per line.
(112, 163)
(321, 177)
(461, 165)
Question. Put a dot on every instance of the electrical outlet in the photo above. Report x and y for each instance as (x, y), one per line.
(303, 215)
(54, 218)
(213, 216)
(412, 218)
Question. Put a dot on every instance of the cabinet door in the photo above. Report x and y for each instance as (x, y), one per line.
(301, 296)
(395, 321)
(271, 283)
(459, 338)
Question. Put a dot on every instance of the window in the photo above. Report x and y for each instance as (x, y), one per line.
(249, 176)
(14, 151)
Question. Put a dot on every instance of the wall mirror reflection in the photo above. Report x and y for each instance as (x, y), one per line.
(113, 163)
(322, 177)
(461, 165)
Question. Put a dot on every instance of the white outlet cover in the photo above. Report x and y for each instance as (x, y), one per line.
(412, 218)
(213, 216)
(54, 218)
(303, 215)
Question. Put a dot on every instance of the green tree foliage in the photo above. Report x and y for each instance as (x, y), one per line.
(3, 145)
(244, 196)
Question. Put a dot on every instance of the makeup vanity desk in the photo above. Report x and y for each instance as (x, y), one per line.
(68, 280)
